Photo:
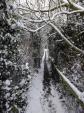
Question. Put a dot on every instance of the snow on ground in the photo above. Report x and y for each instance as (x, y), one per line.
(34, 94)
(75, 89)
(45, 55)
(40, 100)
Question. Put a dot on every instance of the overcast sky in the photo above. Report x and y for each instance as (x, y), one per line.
(32, 1)
(22, 1)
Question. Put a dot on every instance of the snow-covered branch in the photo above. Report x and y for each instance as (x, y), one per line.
(67, 13)
(77, 92)
(79, 9)
(66, 3)
(32, 30)
(37, 21)
(67, 41)
(46, 10)
(73, 5)
(54, 15)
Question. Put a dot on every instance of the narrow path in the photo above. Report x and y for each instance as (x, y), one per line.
(42, 95)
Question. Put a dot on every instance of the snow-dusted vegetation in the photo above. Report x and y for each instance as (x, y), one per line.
(32, 32)
(14, 77)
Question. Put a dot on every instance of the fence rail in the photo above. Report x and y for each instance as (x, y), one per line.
(74, 90)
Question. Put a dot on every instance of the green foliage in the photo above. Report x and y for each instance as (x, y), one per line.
(65, 57)
(11, 72)
(36, 44)
(60, 50)
(14, 110)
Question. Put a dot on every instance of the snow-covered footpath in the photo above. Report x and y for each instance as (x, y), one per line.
(39, 101)
(35, 93)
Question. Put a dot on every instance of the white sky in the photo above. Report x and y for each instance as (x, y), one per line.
(22, 1)
(32, 1)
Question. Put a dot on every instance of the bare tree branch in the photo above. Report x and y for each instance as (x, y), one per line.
(47, 10)
(76, 9)
(36, 30)
(67, 41)
(73, 5)
(53, 17)
(59, 5)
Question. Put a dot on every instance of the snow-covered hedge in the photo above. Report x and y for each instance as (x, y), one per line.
(13, 79)
(78, 94)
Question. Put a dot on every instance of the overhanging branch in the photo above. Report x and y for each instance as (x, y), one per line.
(67, 41)
(36, 30)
